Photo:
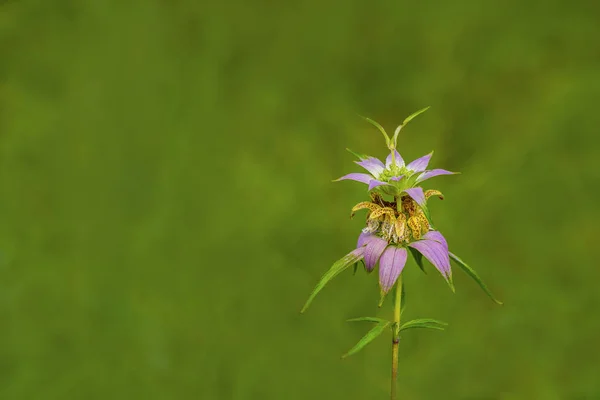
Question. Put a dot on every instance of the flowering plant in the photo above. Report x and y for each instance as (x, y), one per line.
(398, 222)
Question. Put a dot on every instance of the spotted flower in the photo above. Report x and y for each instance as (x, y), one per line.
(400, 225)
(391, 229)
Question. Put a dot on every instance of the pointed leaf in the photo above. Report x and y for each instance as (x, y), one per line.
(337, 267)
(413, 115)
(357, 155)
(375, 124)
(418, 258)
(471, 272)
(355, 267)
(367, 319)
(426, 323)
(368, 338)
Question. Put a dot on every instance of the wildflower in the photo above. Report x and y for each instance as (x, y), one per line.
(393, 228)
(399, 225)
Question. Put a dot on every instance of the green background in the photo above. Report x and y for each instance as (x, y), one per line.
(166, 203)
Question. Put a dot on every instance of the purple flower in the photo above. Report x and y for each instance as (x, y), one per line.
(398, 220)
(394, 176)
(392, 256)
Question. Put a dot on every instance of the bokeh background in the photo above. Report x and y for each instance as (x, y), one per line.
(166, 202)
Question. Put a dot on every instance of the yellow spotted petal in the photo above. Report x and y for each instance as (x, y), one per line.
(376, 198)
(433, 192)
(365, 204)
(423, 222)
(383, 211)
(415, 227)
(408, 205)
(400, 226)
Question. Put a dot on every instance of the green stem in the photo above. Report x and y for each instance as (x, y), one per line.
(396, 337)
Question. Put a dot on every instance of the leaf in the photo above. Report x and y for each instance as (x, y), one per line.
(426, 323)
(367, 319)
(396, 133)
(418, 259)
(471, 272)
(357, 265)
(368, 338)
(337, 267)
(375, 124)
(413, 115)
(357, 155)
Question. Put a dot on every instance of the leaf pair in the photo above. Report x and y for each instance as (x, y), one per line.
(382, 324)
(394, 139)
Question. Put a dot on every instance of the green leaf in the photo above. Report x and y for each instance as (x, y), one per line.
(357, 155)
(413, 115)
(471, 272)
(367, 319)
(357, 265)
(376, 125)
(418, 259)
(396, 133)
(426, 323)
(368, 338)
(337, 267)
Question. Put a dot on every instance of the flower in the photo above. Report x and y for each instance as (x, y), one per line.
(391, 228)
(401, 224)
(394, 176)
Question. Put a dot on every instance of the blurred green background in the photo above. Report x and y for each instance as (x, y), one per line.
(166, 202)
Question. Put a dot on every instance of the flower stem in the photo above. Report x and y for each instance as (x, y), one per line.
(396, 337)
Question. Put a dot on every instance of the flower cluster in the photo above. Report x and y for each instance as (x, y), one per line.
(398, 220)
(393, 226)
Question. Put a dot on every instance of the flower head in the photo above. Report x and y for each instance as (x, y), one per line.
(398, 221)
(401, 223)
(391, 227)
(394, 176)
